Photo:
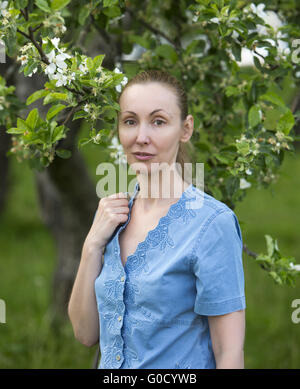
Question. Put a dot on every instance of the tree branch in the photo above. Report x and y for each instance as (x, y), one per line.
(149, 27)
(253, 255)
(43, 56)
(102, 32)
(249, 252)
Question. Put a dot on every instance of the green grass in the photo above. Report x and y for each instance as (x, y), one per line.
(27, 263)
(272, 339)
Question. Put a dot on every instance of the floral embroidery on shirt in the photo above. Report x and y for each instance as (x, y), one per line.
(130, 357)
(160, 235)
(128, 324)
(113, 289)
(113, 315)
(109, 354)
(136, 263)
(130, 291)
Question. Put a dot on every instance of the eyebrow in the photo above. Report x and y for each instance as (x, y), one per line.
(150, 114)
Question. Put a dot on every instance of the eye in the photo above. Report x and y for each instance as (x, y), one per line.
(160, 122)
(129, 120)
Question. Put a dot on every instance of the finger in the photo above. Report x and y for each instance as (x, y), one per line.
(118, 202)
(124, 210)
(119, 195)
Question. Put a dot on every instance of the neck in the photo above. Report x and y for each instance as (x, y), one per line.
(160, 187)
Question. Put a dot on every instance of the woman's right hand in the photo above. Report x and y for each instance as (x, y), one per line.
(112, 210)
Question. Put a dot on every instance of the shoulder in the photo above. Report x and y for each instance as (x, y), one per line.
(203, 203)
(212, 216)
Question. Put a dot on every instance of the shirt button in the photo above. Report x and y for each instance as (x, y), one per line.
(120, 318)
(118, 357)
(122, 278)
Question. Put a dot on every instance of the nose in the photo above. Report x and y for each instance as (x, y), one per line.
(143, 134)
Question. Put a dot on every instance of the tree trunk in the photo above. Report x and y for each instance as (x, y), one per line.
(7, 72)
(68, 202)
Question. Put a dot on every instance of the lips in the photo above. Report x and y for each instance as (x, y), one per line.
(143, 154)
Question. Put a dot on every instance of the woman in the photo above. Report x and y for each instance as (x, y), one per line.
(170, 291)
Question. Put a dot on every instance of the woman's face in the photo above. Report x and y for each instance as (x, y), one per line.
(150, 122)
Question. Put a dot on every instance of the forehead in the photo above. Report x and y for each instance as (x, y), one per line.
(149, 96)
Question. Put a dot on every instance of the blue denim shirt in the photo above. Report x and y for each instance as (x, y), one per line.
(153, 312)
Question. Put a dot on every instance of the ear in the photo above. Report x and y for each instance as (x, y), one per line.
(187, 129)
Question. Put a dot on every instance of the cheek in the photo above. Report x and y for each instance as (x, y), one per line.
(125, 138)
(168, 141)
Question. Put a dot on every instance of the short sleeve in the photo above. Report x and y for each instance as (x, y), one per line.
(218, 267)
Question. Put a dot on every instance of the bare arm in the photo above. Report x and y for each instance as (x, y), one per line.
(82, 308)
(227, 335)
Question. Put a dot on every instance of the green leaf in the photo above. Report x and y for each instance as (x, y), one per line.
(232, 91)
(257, 63)
(36, 95)
(62, 153)
(286, 122)
(54, 110)
(21, 3)
(236, 51)
(58, 4)
(273, 98)
(112, 12)
(29, 68)
(140, 40)
(270, 245)
(14, 130)
(243, 148)
(80, 114)
(109, 3)
(54, 96)
(83, 14)
(97, 61)
(43, 5)
(254, 116)
(83, 142)
(22, 125)
(57, 133)
(32, 118)
(222, 159)
(168, 52)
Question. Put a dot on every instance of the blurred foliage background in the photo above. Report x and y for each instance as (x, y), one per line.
(28, 261)
(32, 254)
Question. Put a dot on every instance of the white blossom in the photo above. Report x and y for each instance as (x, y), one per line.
(294, 267)
(83, 67)
(86, 108)
(118, 153)
(23, 59)
(3, 5)
(123, 82)
(215, 20)
(258, 10)
(249, 171)
(57, 64)
(34, 71)
(63, 79)
(55, 42)
(244, 184)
